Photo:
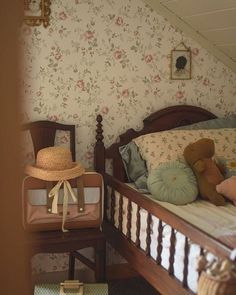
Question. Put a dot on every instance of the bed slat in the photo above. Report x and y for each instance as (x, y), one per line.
(148, 231)
(185, 271)
(138, 227)
(172, 252)
(159, 242)
(129, 217)
(201, 254)
(201, 251)
(106, 206)
(113, 204)
(120, 213)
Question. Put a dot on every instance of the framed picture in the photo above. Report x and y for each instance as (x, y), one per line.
(180, 67)
(36, 12)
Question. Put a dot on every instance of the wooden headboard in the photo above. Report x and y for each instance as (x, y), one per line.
(164, 119)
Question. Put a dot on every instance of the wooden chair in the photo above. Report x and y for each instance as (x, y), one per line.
(43, 135)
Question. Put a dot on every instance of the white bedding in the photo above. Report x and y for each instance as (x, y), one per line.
(214, 220)
(217, 221)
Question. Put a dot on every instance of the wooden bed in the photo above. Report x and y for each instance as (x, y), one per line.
(162, 279)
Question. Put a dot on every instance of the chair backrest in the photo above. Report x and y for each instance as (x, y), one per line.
(43, 134)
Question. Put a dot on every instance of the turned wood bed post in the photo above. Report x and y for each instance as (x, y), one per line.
(99, 149)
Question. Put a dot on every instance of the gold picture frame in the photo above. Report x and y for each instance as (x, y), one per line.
(181, 64)
(37, 12)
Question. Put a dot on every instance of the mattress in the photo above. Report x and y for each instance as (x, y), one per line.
(217, 221)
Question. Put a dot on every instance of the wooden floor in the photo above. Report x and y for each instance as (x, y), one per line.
(132, 286)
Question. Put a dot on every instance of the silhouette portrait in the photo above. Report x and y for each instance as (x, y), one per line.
(180, 64)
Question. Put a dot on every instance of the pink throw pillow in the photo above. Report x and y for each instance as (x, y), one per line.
(228, 188)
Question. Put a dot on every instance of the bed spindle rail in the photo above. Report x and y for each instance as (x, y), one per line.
(172, 252)
(138, 225)
(202, 253)
(129, 218)
(148, 232)
(113, 204)
(120, 218)
(159, 242)
(185, 270)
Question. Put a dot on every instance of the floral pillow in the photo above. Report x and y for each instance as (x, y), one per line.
(229, 166)
(161, 147)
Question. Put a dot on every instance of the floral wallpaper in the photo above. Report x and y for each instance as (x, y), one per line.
(112, 57)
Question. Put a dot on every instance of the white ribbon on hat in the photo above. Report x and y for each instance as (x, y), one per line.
(54, 193)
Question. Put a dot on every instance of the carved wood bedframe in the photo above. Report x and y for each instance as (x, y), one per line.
(162, 279)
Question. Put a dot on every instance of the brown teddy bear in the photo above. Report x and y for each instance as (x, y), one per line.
(199, 156)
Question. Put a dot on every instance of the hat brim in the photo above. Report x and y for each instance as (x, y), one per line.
(55, 175)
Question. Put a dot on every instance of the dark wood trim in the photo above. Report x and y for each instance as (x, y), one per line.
(83, 259)
(156, 275)
(59, 242)
(99, 149)
(186, 114)
(71, 270)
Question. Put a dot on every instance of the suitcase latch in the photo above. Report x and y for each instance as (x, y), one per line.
(70, 286)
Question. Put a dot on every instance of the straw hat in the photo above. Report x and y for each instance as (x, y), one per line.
(54, 164)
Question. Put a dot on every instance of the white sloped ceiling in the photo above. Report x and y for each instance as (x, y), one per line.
(211, 22)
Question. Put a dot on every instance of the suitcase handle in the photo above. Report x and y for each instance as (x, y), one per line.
(67, 286)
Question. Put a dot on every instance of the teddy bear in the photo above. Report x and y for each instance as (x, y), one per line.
(199, 156)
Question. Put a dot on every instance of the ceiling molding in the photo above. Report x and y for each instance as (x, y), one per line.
(209, 12)
(186, 28)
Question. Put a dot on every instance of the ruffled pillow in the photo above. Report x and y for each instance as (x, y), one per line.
(173, 182)
(228, 188)
(134, 165)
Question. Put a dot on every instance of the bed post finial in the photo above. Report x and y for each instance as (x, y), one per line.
(99, 149)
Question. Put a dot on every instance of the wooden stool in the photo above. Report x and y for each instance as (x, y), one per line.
(59, 242)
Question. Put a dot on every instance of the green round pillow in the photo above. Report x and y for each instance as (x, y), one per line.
(173, 182)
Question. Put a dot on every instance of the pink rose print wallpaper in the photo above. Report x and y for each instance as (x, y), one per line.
(112, 58)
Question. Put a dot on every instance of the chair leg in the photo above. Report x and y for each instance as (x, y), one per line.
(29, 273)
(100, 263)
(71, 273)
